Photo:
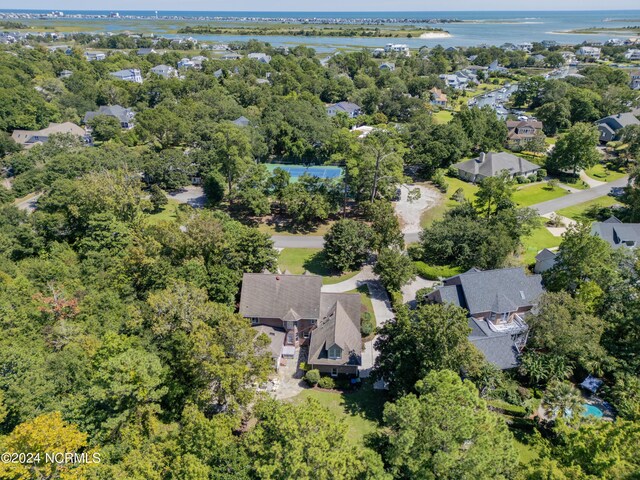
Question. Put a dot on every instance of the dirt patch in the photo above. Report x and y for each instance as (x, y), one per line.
(410, 211)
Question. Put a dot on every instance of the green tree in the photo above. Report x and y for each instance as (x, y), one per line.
(231, 151)
(394, 268)
(625, 395)
(581, 258)
(305, 441)
(494, 194)
(564, 326)
(555, 116)
(157, 197)
(385, 225)
(631, 136)
(347, 245)
(432, 337)
(445, 431)
(562, 400)
(105, 127)
(576, 150)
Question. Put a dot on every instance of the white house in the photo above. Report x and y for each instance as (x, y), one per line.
(260, 57)
(165, 71)
(400, 48)
(129, 75)
(94, 56)
(591, 52)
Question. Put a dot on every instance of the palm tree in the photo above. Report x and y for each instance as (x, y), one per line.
(534, 367)
(562, 400)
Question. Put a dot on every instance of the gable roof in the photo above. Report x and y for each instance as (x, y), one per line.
(616, 233)
(619, 120)
(33, 136)
(339, 325)
(497, 349)
(347, 107)
(545, 254)
(117, 111)
(505, 289)
(516, 124)
(242, 121)
(493, 163)
(279, 296)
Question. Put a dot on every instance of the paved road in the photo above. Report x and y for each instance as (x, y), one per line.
(579, 197)
(316, 241)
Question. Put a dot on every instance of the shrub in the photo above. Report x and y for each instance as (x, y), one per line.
(452, 172)
(458, 195)
(521, 179)
(421, 295)
(327, 382)
(414, 251)
(430, 272)
(396, 299)
(313, 377)
(367, 324)
(541, 174)
(440, 182)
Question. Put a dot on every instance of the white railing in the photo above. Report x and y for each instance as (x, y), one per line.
(515, 325)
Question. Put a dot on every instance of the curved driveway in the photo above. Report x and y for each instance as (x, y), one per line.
(316, 241)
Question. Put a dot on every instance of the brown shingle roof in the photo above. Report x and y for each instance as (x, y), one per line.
(340, 325)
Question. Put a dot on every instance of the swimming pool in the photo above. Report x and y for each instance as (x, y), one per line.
(592, 411)
(296, 171)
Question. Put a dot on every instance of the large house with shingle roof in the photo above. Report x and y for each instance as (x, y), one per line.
(520, 132)
(29, 138)
(498, 302)
(610, 127)
(350, 109)
(492, 164)
(328, 324)
(124, 115)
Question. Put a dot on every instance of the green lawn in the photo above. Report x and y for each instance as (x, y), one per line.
(443, 116)
(320, 230)
(297, 260)
(360, 410)
(540, 238)
(580, 212)
(437, 212)
(527, 453)
(532, 194)
(603, 173)
(167, 214)
(550, 140)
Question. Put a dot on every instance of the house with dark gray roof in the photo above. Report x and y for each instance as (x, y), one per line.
(327, 324)
(351, 109)
(492, 164)
(124, 115)
(616, 233)
(498, 302)
(242, 121)
(609, 127)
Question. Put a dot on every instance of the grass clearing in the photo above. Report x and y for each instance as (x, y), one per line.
(365, 296)
(436, 272)
(273, 229)
(539, 239)
(603, 173)
(443, 116)
(533, 194)
(299, 260)
(360, 410)
(580, 212)
(437, 212)
(169, 213)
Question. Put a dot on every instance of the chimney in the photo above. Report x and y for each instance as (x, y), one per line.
(481, 157)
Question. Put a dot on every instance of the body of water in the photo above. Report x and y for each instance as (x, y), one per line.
(475, 28)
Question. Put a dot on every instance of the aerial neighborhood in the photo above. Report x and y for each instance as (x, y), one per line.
(246, 259)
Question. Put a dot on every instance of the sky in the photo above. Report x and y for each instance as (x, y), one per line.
(324, 5)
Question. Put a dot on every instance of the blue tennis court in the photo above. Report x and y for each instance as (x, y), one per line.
(296, 171)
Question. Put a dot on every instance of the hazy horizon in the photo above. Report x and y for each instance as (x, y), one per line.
(373, 6)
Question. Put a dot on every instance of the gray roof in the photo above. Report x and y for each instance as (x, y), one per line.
(121, 113)
(619, 120)
(339, 325)
(346, 107)
(280, 296)
(482, 291)
(493, 163)
(276, 336)
(499, 350)
(616, 233)
(242, 121)
(545, 254)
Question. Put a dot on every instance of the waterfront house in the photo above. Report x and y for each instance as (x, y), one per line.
(590, 52)
(520, 132)
(438, 98)
(492, 164)
(497, 302)
(260, 57)
(327, 324)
